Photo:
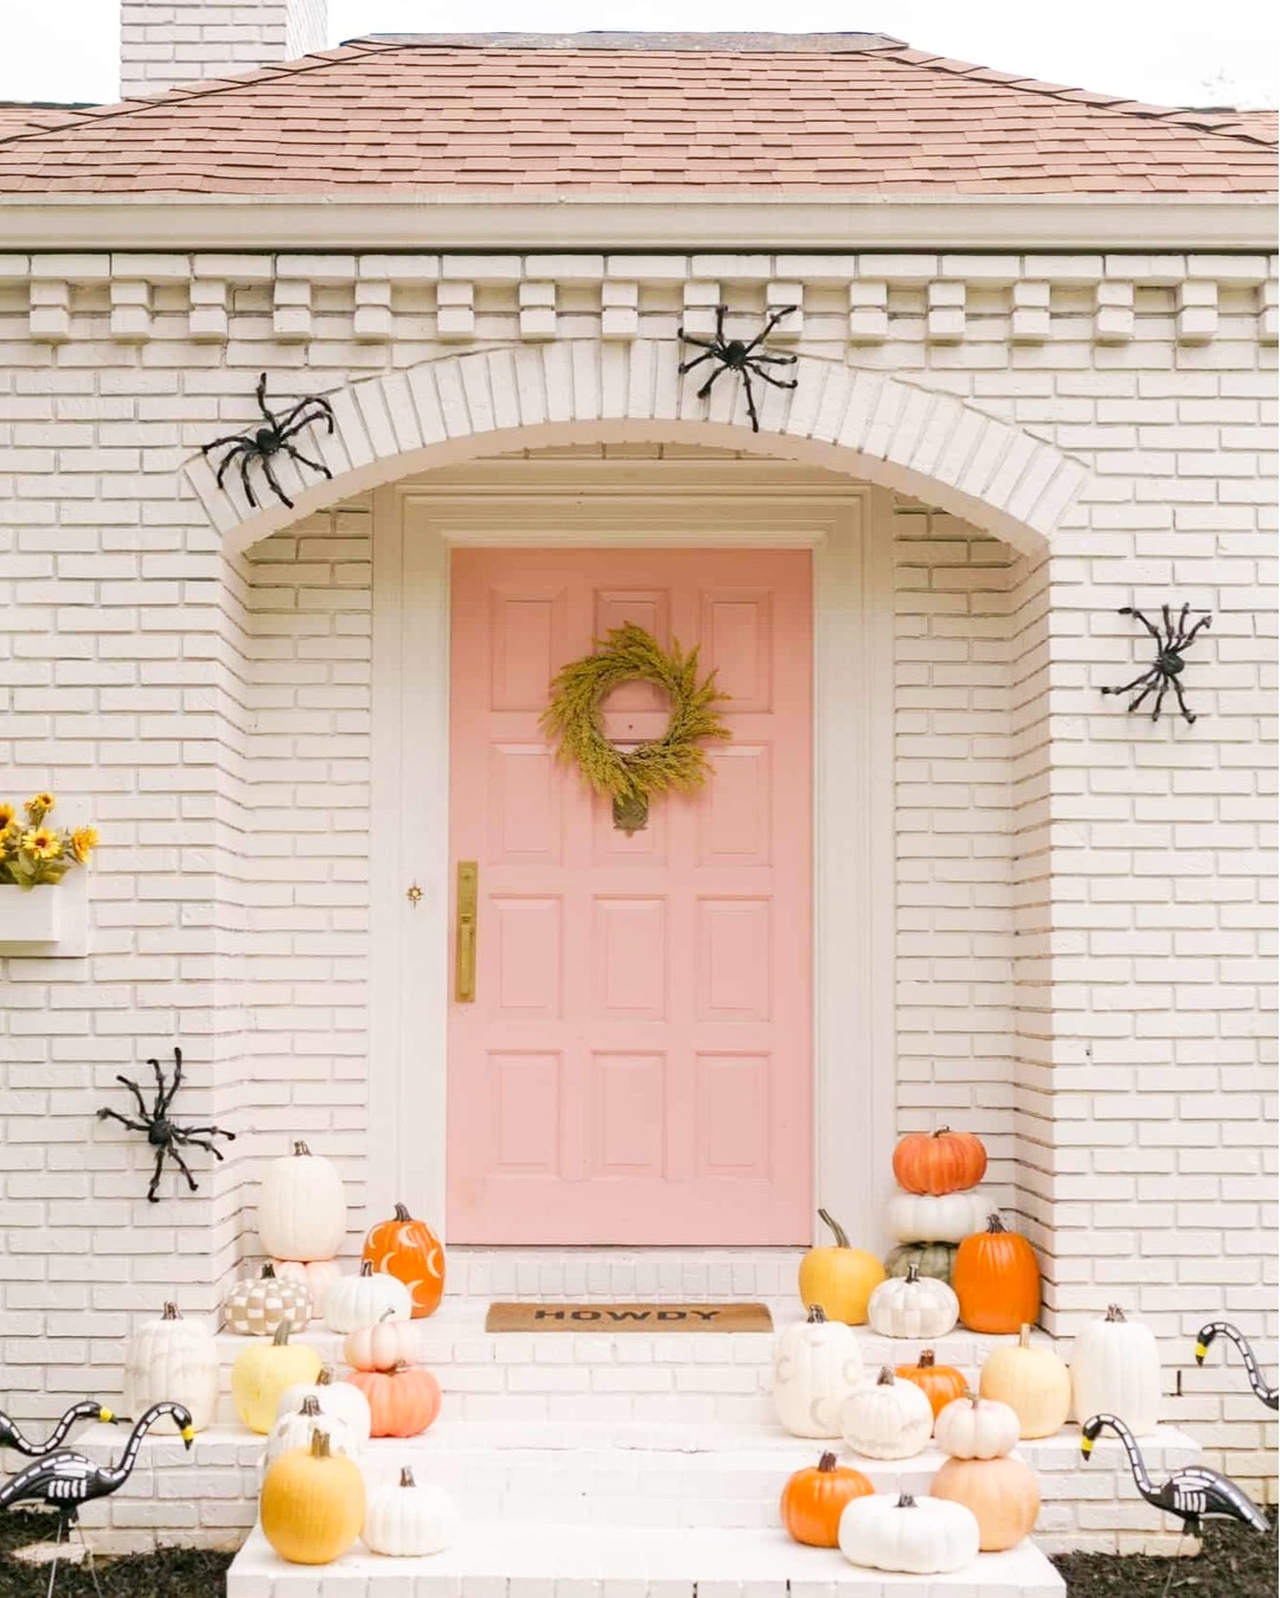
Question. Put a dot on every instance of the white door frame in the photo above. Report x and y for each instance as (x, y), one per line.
(590, 504)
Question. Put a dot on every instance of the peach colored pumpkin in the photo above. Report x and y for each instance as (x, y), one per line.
(1002, 1494)
(403, 1402)
(382, 1346)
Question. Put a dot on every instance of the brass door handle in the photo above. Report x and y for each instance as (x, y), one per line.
(464, 983)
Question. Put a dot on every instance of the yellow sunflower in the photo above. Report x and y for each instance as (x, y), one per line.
(43, 843)
(7, 813)
(39, 806)
(84, 840)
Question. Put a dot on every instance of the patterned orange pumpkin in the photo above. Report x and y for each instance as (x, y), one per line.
(997, 1280)
(939, 1383)
(410, 1251)
(939, 1162)
(403, 1401)
(814, 1499)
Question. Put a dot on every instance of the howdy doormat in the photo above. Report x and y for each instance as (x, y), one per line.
(628, 1318)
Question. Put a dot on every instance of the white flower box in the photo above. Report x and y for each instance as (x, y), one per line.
(49, 920)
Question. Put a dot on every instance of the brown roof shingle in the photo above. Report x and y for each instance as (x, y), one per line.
(582, 116)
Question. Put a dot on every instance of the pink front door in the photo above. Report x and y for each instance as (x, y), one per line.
(636, 1064)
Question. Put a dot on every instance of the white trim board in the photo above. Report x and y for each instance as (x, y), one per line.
(850, 533)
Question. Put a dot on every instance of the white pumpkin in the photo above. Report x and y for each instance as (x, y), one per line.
(339, 1399)
(365, 1300)
(817, 1367)
(257, 1305)
(315, 1275)
(888, 1420)
(294, 1430)
(382, 1346)
(913, 1306)
(976, 1428)
(1115, 1370)
(176, 1360)
(918, 1536)
(936, 1218)
(409, 1520)
(302, 1211)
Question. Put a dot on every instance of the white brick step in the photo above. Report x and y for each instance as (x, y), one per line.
(492, 1560)
(696, 1274)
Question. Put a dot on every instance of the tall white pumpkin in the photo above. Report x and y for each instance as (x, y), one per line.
(817, 1367)
(918, 1536)
(173, 1359)
(409, 1520)
(1115, 1370)
(302, 1211)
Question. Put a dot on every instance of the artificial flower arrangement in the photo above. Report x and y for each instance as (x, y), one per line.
(35, 852)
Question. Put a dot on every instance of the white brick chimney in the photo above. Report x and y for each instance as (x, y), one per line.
(167, 42)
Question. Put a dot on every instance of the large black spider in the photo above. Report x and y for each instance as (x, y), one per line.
(735, 356)
(1166, 669)
(264, 442)
(162, 1133)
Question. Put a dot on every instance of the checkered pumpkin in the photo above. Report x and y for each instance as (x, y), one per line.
(257, 1305)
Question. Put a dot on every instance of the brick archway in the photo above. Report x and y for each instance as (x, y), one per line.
(867, 425)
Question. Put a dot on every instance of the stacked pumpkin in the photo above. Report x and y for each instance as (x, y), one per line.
(1002, 1493)
(939, 1205)
(302, 1221)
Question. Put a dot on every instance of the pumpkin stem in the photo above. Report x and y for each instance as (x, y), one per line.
(1024, 1336)
(319, 1444)
(926, 1359)
(406, 1476)
(885, 1378)
(170, 1312)
(841, 1236)
(386, 1315)
(913, 1273)
(310, 1405)
(816, 1315)
(402, 1214)
(994, 1223)
(827, 1462)
(268, 1272)
(366, 1268)
(399, 1366)
(1114, 1312)
(301, 1148)
(324, 1377)
(906, 1501)
(941, 1130)
(282, 1333)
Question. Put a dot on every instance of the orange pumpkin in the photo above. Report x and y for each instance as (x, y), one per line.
(410, 1251)
(402, 1402)
(814, 1499)
(939, 1162)
(939, 1383)
(997, 1280)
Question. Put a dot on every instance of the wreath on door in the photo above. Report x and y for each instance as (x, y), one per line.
(676, 761)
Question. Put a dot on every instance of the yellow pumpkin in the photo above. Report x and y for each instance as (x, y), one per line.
(839, 1280)
(261, 1373)
(312, 1504)
(1002, 1494)
(1034, 1383)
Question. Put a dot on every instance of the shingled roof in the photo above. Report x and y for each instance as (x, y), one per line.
(815, 115)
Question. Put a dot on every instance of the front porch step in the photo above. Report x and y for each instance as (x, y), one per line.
(493, 1560)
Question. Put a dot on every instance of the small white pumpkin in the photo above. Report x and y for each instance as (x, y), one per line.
(172, 1359)
(409, 1520)
(382, 1346)
(976, 1428)
(257, 1305)
(294, 1430)
(817, 1367)
(1115, 1370)
(888, 1420)
(342, 1400)
(936, 1218)
(913, 1306)
(364, 1300)
(918, 1536)
(315, 1275)
(302, 1211)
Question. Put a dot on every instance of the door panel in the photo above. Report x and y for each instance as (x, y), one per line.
(636, 1066)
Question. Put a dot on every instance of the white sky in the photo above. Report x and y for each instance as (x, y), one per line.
(1167, 52)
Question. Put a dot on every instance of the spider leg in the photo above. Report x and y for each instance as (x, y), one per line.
(155, 1177)
(137, 1094)
(1137, 682)
(1155, 709)
(172, 1092)
(1146, 693)
(316, 466)
(699, 343)
(1196, 627)
(124, 1120)
(775, 360)
(777, 382)
(181, 1164)
(706, 387)
(240, 448)
(1129, 610)
(1167, 641)
(231, 438)
(197, 1143)
(261, 393)
(244, 478)
(162, 1103)
(769, 326)
(293, 421)
(1182, 703)
(1180, 627)
(269, 473)
(751, 401)
(217, 1131)
(688, 366)
(721, 312)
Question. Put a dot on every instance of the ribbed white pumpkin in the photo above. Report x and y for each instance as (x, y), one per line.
(339, 1399)
(936, 1218)
(382, 1346)
(172, 1359)
(294, 1429)
(913, 1306)
(257, 1305)
(816, 1368)
(976, 1428)
(302, 1211)
(409, 1520)
(919, 1536)
(315, 1275)
(1115, 1370)
(887, 1420)
(365, 1300)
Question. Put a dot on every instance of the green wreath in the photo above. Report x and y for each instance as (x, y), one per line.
(628, 776)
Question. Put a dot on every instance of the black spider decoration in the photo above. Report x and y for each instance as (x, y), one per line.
(735, 356)
(264, 442)
(1166, 669)
(163, 1135)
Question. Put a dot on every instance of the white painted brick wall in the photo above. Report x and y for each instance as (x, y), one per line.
(1114, 1026)
(165, 43)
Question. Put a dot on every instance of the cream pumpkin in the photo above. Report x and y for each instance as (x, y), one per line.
(294, 1430)
(382, 1346)
(1003, 1496)
(917, 1536)
(817, 1367)
(340, 1399)
(409, 1520)
(1034, 1383)
(887, 1420)
(302, 1210)
(976, 1428)
(263, 1371)
(1115, 1370)
(934, 1217)
(175, 1359)
(365, 1300)
(913, 1306)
